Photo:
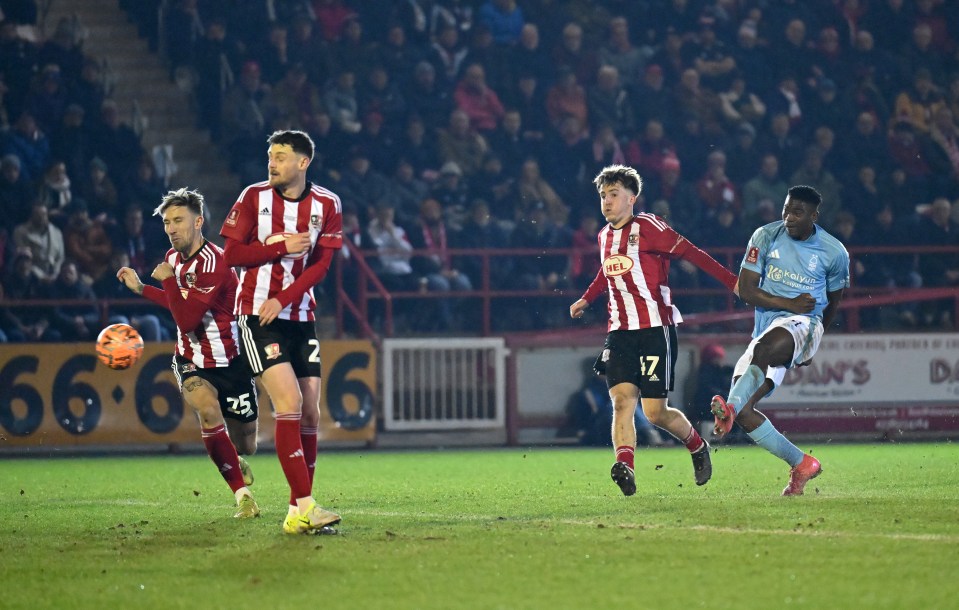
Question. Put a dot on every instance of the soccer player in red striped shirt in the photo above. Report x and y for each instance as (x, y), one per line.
(199, 289)
(282, 234)
(639, 355)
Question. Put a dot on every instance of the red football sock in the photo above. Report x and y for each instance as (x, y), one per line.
(290, 451)
(223, 454)
(625, 454)
(308, 440)
(693, 441)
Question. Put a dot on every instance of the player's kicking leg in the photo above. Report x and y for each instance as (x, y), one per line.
(660, 414)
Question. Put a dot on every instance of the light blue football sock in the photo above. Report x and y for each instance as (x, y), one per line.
(772, 440)
(745, 387)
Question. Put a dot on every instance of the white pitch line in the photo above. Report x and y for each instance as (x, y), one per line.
(647, 526)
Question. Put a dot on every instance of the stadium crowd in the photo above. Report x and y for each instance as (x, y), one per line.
(447, 124)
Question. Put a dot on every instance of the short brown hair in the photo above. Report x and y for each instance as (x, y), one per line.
(622, 174)
(191, 200)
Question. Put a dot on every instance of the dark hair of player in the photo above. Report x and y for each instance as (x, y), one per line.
(299, 141)
(191, 200)
(622, 174)
(806, 194)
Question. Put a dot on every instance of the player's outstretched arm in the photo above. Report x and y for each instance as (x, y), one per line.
(238, 254)
(129, 278)
(832, 307)
(577, 309)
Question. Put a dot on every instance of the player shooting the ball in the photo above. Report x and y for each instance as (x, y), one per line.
(199, 288)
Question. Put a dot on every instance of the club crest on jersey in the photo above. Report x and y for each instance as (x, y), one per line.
(314, 220)
(617, 264)
(190, 279)
(232, 218)
(633, 239)
(189, 367)
(272, 351)
(753, 255)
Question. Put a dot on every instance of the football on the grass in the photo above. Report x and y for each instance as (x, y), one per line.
(119, 346)
(272, 239)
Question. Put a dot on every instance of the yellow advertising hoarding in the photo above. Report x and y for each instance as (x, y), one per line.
(60, 395)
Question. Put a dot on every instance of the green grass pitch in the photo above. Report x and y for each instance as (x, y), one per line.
(533, 528)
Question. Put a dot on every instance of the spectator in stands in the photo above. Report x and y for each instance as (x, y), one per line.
(619, 52)
(606, 149)
(26, 323)
(146, 187)
(529, 53)
(714, 62)
(361, 186)
(119, 146)
(691, 98)
(792, 53)
(431, 236)
(496, 188)
(812, 173)
(865, 58)
(18, 62)
(426, 98)
(99, 191)
(87, 242)
(243, 122)
(782, 142)
(273, 53)
(75, 322)
(608, 102)
(47, 99)
(825, 108)
(917, 104)
(535, 191)
(907, 151)
(752, 59)
(406, 192)
(341, 102)
(452, 193)
(419, 146)
(583, 263)
(354, 52)
(483, 231)
(511, 142)
(528, 97)
(56, 190)
(215, 61)
(460, 143)
(570, 53)
(944, 151)
(739, 104)
(864, 145)
(43, 241)
(480, 103)
(295, 99)
(863, 195)
(72, 142)
(651, 98)
(504, 18)
(16, 194)
(920, 54)
(566, 98)
(30, 144)
(183, 28)
(715, 189)
(684, 204)
(382, 95)
(942, 268)
(332, 16)
(743, 154)
(446, 54)
(545, 273)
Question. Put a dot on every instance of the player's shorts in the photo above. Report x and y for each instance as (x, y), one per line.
(280, 341)
(645, 358)
(806, 333)
(234, 385)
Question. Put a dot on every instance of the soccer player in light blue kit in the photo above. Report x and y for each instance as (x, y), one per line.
(795, 275)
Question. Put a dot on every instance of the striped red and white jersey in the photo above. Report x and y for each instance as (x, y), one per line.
(206, 281)
(636, 265)
(261, 215)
